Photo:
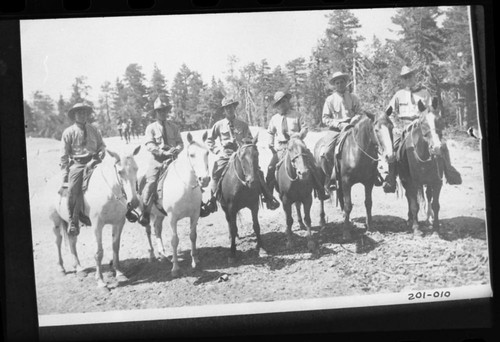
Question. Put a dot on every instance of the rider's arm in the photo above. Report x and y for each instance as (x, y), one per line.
(271, 131)
(330, 118)
(179, 145)
(150, 142)
(65, 154)
(212, 137)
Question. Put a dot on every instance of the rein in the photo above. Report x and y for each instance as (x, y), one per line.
(415, 148)
(123, 194)
(192, 169)
(242, 171)
(287, 172)
(364, 152)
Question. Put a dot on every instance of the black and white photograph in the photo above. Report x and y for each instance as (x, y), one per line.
(198, 165)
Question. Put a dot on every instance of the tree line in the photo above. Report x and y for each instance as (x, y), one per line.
(441, 53)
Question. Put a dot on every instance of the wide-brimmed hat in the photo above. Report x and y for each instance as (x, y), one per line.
(161, 103)
(280, 95)
(405, 71)
(229, 101)
(76, 107)
(338, 74)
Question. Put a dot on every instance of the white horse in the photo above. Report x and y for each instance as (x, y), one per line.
(112, 189)
(182, 196)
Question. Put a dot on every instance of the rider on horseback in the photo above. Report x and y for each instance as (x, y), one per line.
(231, 133)
(340, 111)
(82, 147)
(404, 105)
(284, 123)
(163, 140)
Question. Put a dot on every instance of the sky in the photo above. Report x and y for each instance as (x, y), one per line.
(56, 51)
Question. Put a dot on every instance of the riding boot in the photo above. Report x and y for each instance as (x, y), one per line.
(390, 181)
(323, 195)
(453, 177)
(267, 194)
(148, 198)
(271, 178)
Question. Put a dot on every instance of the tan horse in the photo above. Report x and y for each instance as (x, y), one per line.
(182, 196)
(111, 191)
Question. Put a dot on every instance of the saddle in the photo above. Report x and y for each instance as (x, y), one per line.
(159, 188)
(218, 191)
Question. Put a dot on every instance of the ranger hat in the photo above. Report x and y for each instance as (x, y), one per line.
(79, 106)
(161, 103)
(338, 74)
(228, 101)
(280, 95)
(406, 71)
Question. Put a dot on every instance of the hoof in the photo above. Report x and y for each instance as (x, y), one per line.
(195, 264)
(311, 246)
(121, 278)
(231, 260)
(176, 273)
(418, 233)
(263, 253)
(81, 274)
(347, 236)
(61, 270)
(303, 226)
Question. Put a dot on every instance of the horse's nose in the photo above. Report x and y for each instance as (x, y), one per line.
(204, 181)
(134, 203)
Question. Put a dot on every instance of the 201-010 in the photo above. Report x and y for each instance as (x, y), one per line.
(428, 295)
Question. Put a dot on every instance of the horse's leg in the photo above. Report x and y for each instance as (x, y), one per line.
(57, 231)
(346, 231)
(233, 231)
(151, 250)
(299, 216)
(72, 239)
(99, 254)
(287, 207)
(430, 214)
(368, 205)
(413, 207)
(322, 221)
(175, 243)
(435, 207)
(158, 224)
(192, 235)
(256, 228)
(117, 233)
(307, 218)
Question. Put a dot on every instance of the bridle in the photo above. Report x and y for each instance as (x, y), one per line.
(377, 141)
(192, 170)
(237, 156)
(292, 161)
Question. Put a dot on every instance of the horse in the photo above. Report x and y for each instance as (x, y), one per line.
(182, 188)
(294, 185)
(358, 158)
(419, 163)
(110, 195)
(240, 188)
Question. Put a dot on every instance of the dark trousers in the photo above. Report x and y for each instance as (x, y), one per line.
(152, 175)
(75, 194)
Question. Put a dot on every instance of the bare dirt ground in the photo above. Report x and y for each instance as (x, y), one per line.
(392, 260)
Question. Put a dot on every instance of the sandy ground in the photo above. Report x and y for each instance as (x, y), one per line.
(393, 261)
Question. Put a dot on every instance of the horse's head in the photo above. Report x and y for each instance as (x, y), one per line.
(431, 125)
(382, 130)
(248, 155)
(197, 154)
(297, 152)
(126, 170)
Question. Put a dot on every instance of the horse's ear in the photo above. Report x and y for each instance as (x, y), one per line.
(205, 136)
(303, 133)
(389, 110)
(136, 150)
(421, 106)
(189, 137)
(255, 139)
(114, 155)
(370, 116)
(434, 103)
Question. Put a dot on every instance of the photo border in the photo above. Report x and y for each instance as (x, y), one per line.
(473, 318)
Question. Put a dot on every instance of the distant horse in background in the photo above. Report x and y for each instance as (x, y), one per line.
(358, 158)
(240, 188)
(110, 194)
(294, 185)
(419, 163)
(182, 196)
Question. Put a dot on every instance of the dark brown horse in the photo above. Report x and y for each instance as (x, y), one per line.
(294, 185)
(240, 188)
(420, 164)
(370, 137)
